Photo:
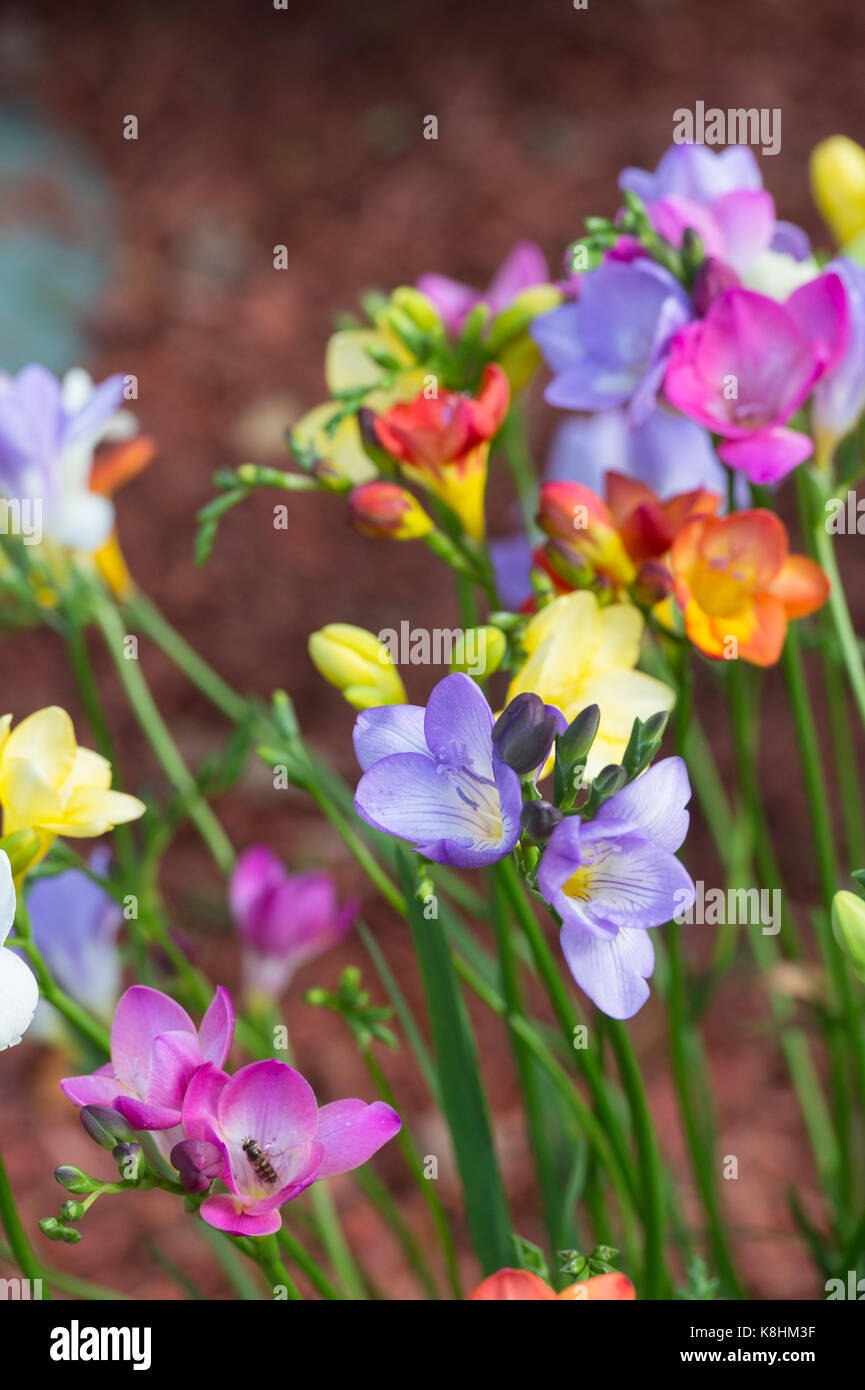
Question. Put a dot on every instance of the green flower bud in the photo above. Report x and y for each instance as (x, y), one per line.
(105, 1126)
(74, 1180)
(72, 1211)
(848, 923)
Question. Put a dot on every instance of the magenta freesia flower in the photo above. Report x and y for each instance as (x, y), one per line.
(155, 1051)
(611, 878)
(749, 365)
(523, 268)
(432, 777)
(275, 1140)
(284, 919)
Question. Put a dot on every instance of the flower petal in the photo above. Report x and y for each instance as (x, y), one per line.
(611, 972)
(388, 729)
(351, 1132)
(654, 802)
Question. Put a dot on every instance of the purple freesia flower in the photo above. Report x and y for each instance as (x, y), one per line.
(720, 195)
(523, 268)
(284, 919)
(155, 1051)
(610, 348)
(275, 1140)
(47, 437)
(75, 924)
(839, 397)
(431, 777)
(611, 878)
(745, 369)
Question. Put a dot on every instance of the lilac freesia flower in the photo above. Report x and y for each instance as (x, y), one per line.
(839, 397)
(75, 924)
(721, 196)
(523, 268)
(270, 1106)
(745, 369)
(155, 1051)
(48, 430)
(284, 919)
(431, 777)
(611, 878)
(610, 348)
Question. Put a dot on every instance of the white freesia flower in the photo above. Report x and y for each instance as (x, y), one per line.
(19, 992)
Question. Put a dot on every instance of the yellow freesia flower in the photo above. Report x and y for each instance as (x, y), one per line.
(51, 785)
(348, 366)
(579, 654)
(838, 185)
(358, 664)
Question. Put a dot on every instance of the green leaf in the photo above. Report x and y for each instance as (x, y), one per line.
(462, 1094)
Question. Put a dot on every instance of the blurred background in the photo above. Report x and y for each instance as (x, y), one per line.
(257, 127)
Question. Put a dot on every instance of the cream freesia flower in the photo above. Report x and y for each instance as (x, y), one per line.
(51, 785)
(579, 654)
(19, 993)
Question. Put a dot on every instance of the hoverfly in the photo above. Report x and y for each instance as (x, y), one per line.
(259, 1161)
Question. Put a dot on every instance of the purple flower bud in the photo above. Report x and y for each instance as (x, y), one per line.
(198, 1163)
(539, 819)
(523, 733)
(105, 1126)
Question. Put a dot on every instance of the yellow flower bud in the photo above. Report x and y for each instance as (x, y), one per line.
(480, 652)
(848, 922)
(358, 664)
(838, 185)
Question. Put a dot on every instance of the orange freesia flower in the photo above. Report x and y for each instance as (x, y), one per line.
(734, 578)
(442, 442)
(647, 525)
(518, 1285)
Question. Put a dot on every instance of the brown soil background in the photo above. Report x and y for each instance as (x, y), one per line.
(259, 127)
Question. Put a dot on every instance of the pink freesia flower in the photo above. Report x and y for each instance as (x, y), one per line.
(748, 366)
(290, 1143)
(736, 228)
(523, 268)
(155, 1051)
(284, 919)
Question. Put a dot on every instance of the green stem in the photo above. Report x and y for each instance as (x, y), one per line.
(266, 1255)
(158, 735)
(18, 1242)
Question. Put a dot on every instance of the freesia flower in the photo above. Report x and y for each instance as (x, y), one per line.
(721, 197)
(431, 777)
(284, 919)
(610, 348)
(48, 433)
(75, 925)
(838, 184)
(19, 993)
(839, 396)
(523, 268)
(738, 585)
(358, 664)
(579, 654)
(155, 1051)
(611, 878)
(51, 785)
(350, 365)
(745, 369)
(271, 1106)
(521, 1286)
(442, 442)
(385, 510)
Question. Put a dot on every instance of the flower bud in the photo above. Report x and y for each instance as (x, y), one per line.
(609, 780)
(198, 1162)
(74, 1180)
(579, 736)
(358, 664)
(838, 185)
(384, 510)
(523, 733)
(72, 1211)
(539, 819)
(130, 1160)
(105, 1126)
(22, 847)
(652, 584)
(848, 922)
(713, 277)
(480, 651)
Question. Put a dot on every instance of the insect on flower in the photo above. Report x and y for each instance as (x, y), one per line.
(259, 1161)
